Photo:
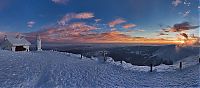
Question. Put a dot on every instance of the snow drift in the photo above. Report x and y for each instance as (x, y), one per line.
(48, 69)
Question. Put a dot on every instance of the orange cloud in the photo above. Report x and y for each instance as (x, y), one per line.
(116, 22)
(127, 26)
(82, 34)
(84, 15)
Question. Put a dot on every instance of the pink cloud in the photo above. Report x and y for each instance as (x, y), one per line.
(70, 16)
(97, 20)
(176, 2)
(82, 27)
(70, 32)
(127, 26)
(84, 15)
(116, 22)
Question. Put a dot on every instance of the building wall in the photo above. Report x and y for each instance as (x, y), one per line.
(27, 48)
(13, 48)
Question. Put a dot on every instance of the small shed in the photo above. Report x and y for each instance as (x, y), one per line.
(18, 43)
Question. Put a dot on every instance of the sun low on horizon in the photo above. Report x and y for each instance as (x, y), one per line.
(102, 21)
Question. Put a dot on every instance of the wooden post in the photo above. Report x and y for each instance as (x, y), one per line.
(180, 65)
(104, 56)
(82, 52)
(151, 70)
(81, 55)
(199, 59)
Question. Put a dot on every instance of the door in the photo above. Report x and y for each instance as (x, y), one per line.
(20, 48)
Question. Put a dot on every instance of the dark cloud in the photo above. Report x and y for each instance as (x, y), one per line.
(184, 26)
(160, 34)
(184, 35)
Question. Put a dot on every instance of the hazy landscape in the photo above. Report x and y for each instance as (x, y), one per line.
(136, 54)
(99, 44)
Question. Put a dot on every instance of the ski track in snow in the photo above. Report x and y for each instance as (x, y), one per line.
(47, 69)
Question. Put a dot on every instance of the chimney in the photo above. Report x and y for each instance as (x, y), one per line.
(39, 43)
(19, 36)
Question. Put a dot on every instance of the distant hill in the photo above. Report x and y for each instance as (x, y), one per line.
(175, 53)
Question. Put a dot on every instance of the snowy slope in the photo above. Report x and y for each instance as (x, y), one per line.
(54, 69)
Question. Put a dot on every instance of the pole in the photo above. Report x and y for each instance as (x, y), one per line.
(180, 65)
(81, 55)
(151, 68)
(199, 59)
(104, 56)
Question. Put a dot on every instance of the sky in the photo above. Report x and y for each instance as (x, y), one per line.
(102, 21)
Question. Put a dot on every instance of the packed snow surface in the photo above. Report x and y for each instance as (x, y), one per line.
(49, 69)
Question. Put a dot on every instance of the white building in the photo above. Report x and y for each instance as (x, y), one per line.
(18, 43)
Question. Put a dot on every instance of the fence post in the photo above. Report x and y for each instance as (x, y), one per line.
(180, 65)
(199, 59)
(104, 56)
(151, 68)
(81, 55)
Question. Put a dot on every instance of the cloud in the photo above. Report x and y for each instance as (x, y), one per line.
(82, 27)
(184, 26)
(176, 2)
(184, 35)
(30, 24)
(127, 26)
(70, 32)
(70, 16)
(116, 22)
(84, 34)
(186, 13)
(97, 20)
(113, 29)
(161, 34)
(140, 30)
(60, 1)
(84, 15)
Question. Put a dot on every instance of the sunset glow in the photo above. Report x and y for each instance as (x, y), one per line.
(132, 21)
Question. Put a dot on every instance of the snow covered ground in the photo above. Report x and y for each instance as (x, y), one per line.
(48, 69)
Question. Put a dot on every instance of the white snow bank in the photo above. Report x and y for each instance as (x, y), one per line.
(187, 62)
(51, 69)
